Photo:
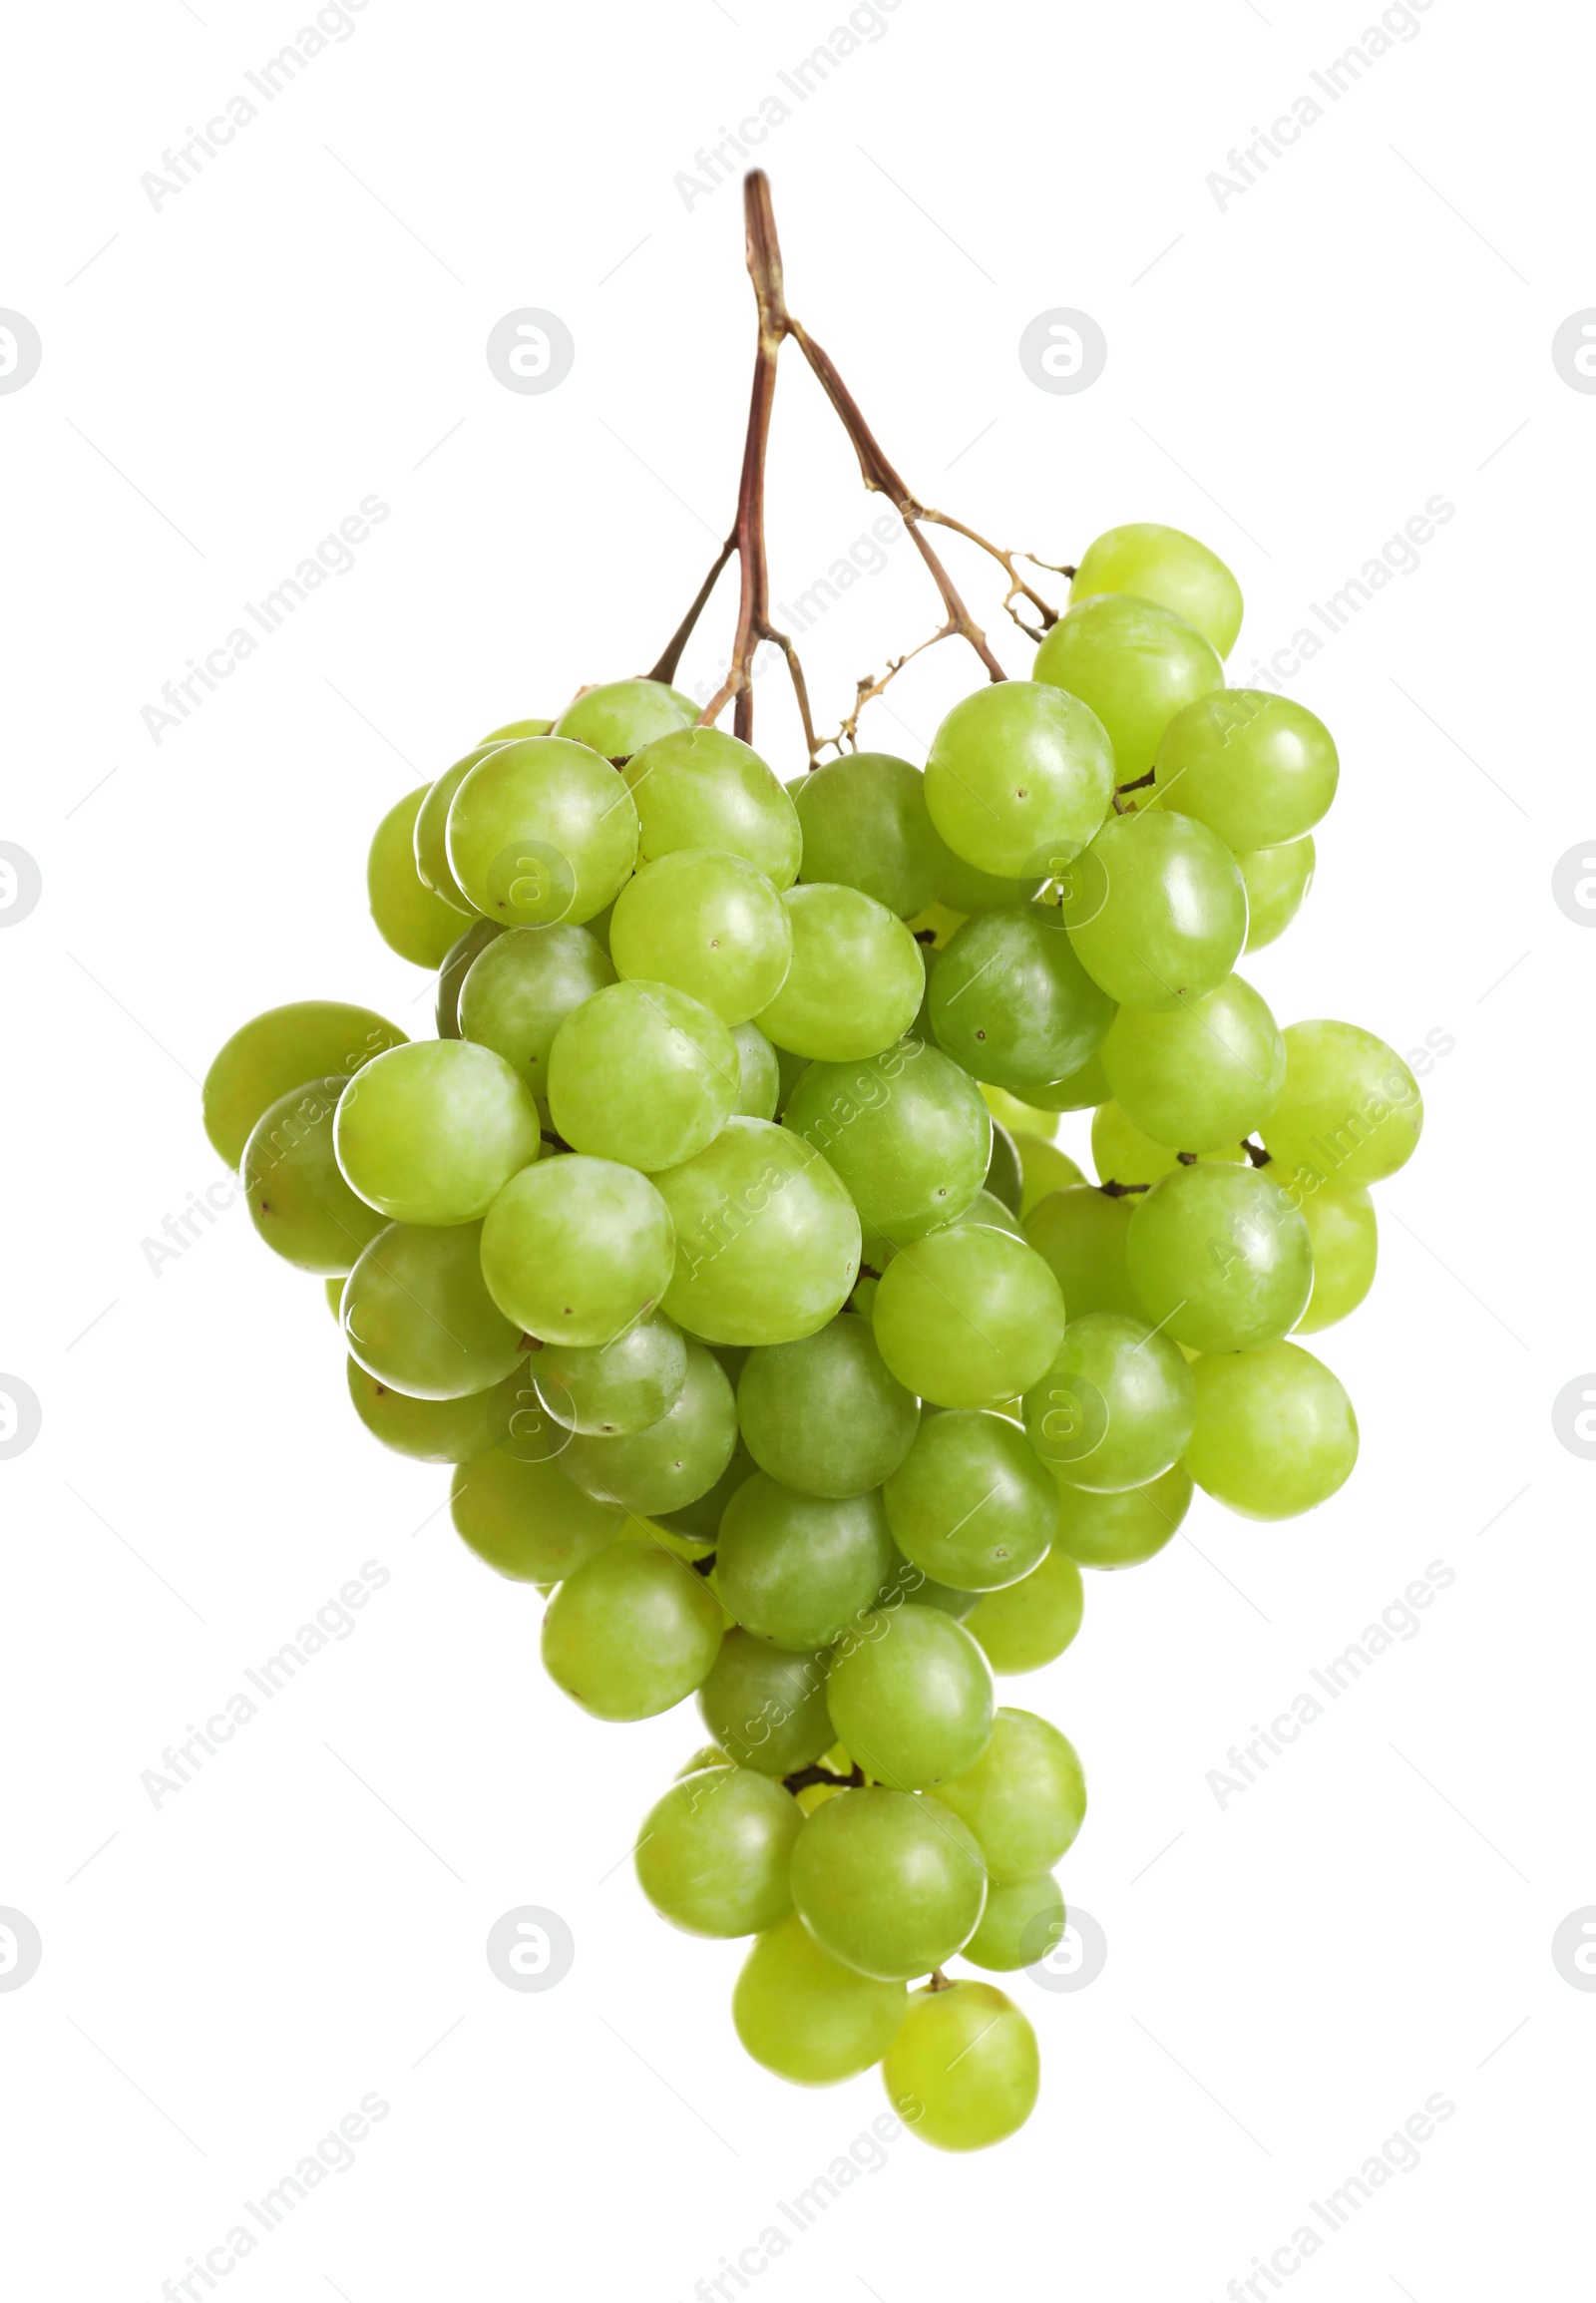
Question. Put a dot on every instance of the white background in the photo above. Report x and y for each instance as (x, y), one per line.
(1291, 376)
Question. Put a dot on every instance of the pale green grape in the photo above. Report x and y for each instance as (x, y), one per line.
(526, 1519)
(294, 1189)
(643, 1073)
(963, 2069)
(631, 1632)
(1115, 1407)
(429, 839)
(577, 1249)
(1046, 1169)
(1005, 1178)
(1200, 1076)
(969, 1504)
(519, 988)
(699, 788)
(1023, 1120)
(333, 1289)
(1346, 1243)
(1010, 1001)
(1220, 1257)
(1078, 1090)
(706, 1755)
(514, 728)
(411, 920)
(1157, 908)
(866, 825)
(432, 1132)
(710, 923)
(435, 1430)
(906, 1131)
(542, 831)
(825, 1416)
(1028, 1624)
(608, 1391)
(622, 715)
(1135, 663)
(1080, 1234)
(1350, 1112)
(713, 1853)
(1022, 1921)
(1019, 777)
(808, 2019)
(1256, 768)
(790, 1069)
(983, 1209)
(276, 1052)
(1024, 1798)
(765, 1706)
(962, 891)
(911, 1695)
(1169, 566)
(667, 1464)
(1277, 881)
(856, 980)
(1106, 1531)
(799, 1569)
(457, 962)
(1275, 1431)
(906, 1580)
(417, 1315)
(767, 1240)
(888, 1884)
(1122, 1154)
(758, 1073)
(968, 1317)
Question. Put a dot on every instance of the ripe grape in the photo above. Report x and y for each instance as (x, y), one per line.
(576, 1249)
(1220, 1257)
(766, 1707)
(631, 1632)
(667, 1464)
(526, 1519)
(1136, 665)
(969, 1504)
(887, 1882)
(905, 1130)
(1164, 564)
(1346, 1243)
(708, 922)
(983, 1209)
(644, 1074)
(411, 920)
(911, 1695)
(1349, 1111)
(294, 1188)
(437, 1430)
(542, 831)
(1046, 1169)
(1010, 1001)
(758, 1073)
(1005, 1178)
(805, 2017)
(417, 1315)
(520, 986)
(458, 963)
(968, 1317)
(856, 980)
(1030, 1623)
(1019, 777)
(798, 1570)
(431, 1132)
(1275, 1431)
(1024, 1798)
(608, 1391)
(1200, 1076)
(1080, 1234)
(1022, 1921)
(767, 1240)
(1115, 1407)
(1156, 910)
(1122, 1154)
(699, 788)
(866, 825)
(1258, 769)
(1277, 881)
(1106, 1531)
(963, 2069)
(825, 1416)
(279, 1051)
(514, 728)
(429, 839)
(713, 1853)
(619, 718)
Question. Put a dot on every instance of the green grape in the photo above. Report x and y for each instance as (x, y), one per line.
(1046, 1169)
(410, 919)
(457, 965)
(1277, 881)
(1156, 910)
(1010, 1001)
(708, 922)
(963, 891)
(577, 1249)
(911, 1695)
(1167, 565)
(631, 1632)
(968, 1317)
(1030, 1623)
(1136, 665)
(1078, 1090)
(713, 1853)
(643, 1073)
(1274, 1432)
(429, 840)
(1005, 1178)
(697, 1524)
(888, 1884)
(767, 1240)
(514, 728)
(526, 1519)
(969, 1504)
(542, 831)
(856, 980)
(1019, 777)
(808, 2019)
(983, 1209)
(1200, 1076)
(1256, 768)
(519, 988)
(1350, 1112)
(905, 1130)
(963, 2069)
(1080, 1234)
(333, 1288)
(1023, 1120)
(1220, 1257)
(435, 1430)
(280, 1050)
(294, 1189)
(904, 1580)
(824, 1415)
(417, 1315)
(699, 788)
(790, 1069)
(1115, 1407)
(706, 1755)
(619, 718)
(797, 1570)
(1106, 1531)
(1122, 1154)
(866, 825)
(1022, 1921)
(1345, 1242)
(432, 1132)
(609, 1390)
(767, 1708)
(668, 1464)
(1024, 1798)
(758, 1073)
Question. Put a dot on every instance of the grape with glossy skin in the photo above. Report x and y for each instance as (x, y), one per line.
(1022, 1921)
(1256, 768)
(411, 920)
(1201, 1075)
(667, 1464)
(631, 1632)
(513, 728)
(713, 1853)
(825, 1416)
(1024, 1798)
(1169, 566)
(333, 1288)
(1005, 1178)
(617, 718)
(1346, 1243)
(608, 1391)
(983, 1209)
(294, 1188)
(888, 1884)
(1136, 665)
(1080, 1235)
(758, 1073)
(457, 965)
(643, 1073)
(429, 839)
(1115, 1407)
(519, 990)
(766, 1707)
(435, 1430)
(856, 980)
(906, 1580)
(767, 1240)
(963, 2069)
(1220, 1257)
(866, 825)
(911, 1695)
(710, 923)
(798, 1570)
(280, 1050)
(1028, 1624)
(578, 1248)
(805, 2017)
(969, 1504)
(969, 1318)
(1349, 1111)
(1010, 1001)
(1274, 1432)
(417, 1315)
(1277, 881)
(1019, 777)
(526, 1519)
(432, 1132)
(700, 788)
(1123, 1530)
(1078, 1090)
(1122, 1153)
(542, 832)
(1156, 910)
(1046, 1169)
(905, 1130)
(695, 1526)
(963, 891)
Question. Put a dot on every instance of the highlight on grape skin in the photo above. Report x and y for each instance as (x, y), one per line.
(720, 1248)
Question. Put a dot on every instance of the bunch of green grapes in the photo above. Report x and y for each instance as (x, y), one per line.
(799, 1381)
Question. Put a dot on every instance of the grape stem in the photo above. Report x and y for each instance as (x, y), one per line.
(937, 1981)
(1257, 1154)
(801, 1778)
